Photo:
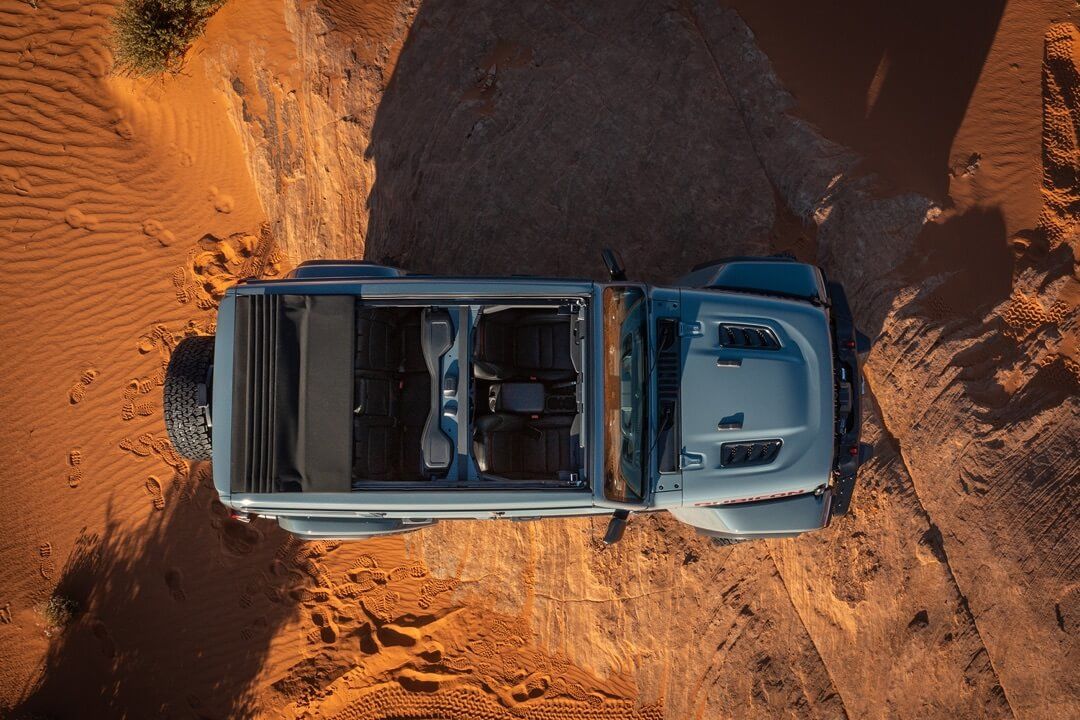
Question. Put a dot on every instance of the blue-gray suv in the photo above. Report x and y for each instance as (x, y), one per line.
(351, 399)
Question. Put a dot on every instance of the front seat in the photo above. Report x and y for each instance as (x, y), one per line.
(522, 448)
(523, 344)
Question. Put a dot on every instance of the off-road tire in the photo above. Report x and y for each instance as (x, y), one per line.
(185, 421)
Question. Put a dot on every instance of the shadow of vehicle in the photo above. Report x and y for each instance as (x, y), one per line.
(173, 619)
(523, 138)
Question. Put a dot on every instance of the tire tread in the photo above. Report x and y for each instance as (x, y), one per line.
(184, 421)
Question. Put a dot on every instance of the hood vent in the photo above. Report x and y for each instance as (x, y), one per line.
(667, 371)
(754, 337)
(667, 394)
(742, 454)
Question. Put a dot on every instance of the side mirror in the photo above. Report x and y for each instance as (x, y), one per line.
(613, 263)
(616, 527)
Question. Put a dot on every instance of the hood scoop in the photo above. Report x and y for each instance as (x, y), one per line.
(753, 337)
(755, 452)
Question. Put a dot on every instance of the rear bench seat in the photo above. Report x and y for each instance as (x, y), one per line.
(391, 395)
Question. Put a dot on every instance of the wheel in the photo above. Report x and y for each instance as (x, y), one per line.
(721, 541)
(187, 397)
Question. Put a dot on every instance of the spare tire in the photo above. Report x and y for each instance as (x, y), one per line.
(187, 397)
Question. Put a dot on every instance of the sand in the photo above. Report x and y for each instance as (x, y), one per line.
(926, 157)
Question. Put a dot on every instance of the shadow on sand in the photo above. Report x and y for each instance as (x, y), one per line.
(175, 617)
(889, 80)
(523, 138)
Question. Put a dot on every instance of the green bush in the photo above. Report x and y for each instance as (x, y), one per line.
(151, 36)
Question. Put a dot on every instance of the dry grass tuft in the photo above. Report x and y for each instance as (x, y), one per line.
(151, 37)
(58, 612)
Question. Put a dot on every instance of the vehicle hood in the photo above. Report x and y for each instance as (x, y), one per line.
(782, 394)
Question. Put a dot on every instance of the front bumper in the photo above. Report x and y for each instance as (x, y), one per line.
(848, 452)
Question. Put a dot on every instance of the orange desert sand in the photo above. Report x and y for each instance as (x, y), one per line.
(925, 155)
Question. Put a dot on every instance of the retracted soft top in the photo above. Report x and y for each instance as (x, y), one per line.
(292, 393)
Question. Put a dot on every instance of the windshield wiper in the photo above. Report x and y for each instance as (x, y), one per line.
(667, 421)
(665, 335)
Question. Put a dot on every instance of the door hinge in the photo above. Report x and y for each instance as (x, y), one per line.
(691, 460)
(690, 329)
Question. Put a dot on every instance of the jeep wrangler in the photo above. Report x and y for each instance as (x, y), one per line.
(351, 399)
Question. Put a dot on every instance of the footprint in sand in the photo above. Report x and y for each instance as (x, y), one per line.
(222, 203)
(434, 587)
(237, 538)
(78, 390)
(273, 594)
(77, 219)
(306, 596)
(108, 647)
(75, 474)
(205, 290)
(257, 627)
(45, 552)
(413, 570)
(154, 229)
(247, 594)
(168, 453)
(159, 338)
(175, 582)
(141, 447)
(203, 478)
(154, 490)
(145, 344)
(133, 406)
(147, 444)
(130, 409)
(184, 288)
(138, 386)
(185, 485)
(48, 565)
(325, 630)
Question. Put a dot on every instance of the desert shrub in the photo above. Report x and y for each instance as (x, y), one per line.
(151, 36)
(58, 611)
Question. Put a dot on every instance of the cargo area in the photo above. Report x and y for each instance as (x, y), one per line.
(332, 394)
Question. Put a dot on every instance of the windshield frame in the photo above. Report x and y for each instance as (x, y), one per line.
(624, 368)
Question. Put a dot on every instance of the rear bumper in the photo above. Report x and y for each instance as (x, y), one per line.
(848, 452)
